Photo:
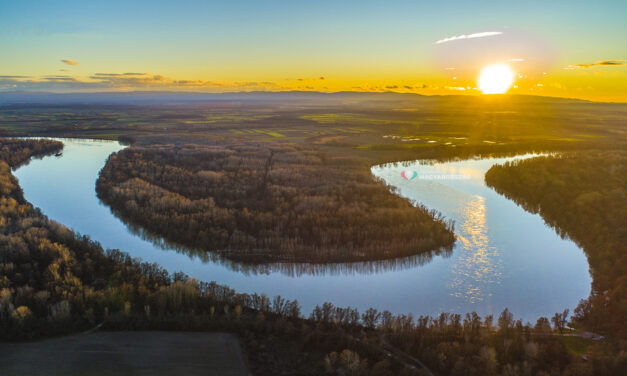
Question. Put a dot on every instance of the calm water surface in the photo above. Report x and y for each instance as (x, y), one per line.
(504, 256)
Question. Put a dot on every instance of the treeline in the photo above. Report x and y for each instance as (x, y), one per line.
(342, 341)
(17, 151)
(267, 203)
(583, 196)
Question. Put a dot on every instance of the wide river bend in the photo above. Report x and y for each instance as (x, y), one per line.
(504, 256)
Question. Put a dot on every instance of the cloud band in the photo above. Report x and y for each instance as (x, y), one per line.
(469, 36)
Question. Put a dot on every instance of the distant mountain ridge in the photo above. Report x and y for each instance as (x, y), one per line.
(311, 97)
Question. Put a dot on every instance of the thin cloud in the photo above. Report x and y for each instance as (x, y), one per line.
(611, 63)
(61, 79)
(469, 36)
(146, 80)
(143, 80)
(321, 78)
(129, 74)
(416, 87)
(126, 81)
(69, 62)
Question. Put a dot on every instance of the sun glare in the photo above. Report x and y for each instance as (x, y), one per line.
(496, 79)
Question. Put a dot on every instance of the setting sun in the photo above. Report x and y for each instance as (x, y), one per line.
(496, 79)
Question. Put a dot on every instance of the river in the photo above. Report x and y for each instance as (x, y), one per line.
(504, 256)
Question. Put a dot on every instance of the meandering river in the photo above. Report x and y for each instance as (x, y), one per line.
(504, 256)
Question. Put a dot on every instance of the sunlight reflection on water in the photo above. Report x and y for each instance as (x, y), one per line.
(478, 264)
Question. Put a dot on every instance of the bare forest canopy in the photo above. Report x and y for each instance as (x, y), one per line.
(258, 204)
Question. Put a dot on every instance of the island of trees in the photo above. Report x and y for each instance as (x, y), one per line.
(267, 202)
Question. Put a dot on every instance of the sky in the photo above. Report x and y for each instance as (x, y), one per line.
(557, 48)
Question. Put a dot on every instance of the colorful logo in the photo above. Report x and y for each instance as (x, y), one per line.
(409, 175)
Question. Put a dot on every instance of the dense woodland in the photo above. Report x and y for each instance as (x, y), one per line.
(55, 282)
(582, 195)
(258, 203)
(15, 152)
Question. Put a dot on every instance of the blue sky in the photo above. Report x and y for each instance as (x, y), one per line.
(273, 41)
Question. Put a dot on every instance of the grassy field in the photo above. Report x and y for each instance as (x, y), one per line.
(345, 124)
(127, 353)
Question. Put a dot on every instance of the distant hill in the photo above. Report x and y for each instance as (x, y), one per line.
(286, 97)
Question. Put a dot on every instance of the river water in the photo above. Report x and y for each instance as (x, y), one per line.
(504, 256)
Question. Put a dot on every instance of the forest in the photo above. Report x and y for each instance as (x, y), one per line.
(16, 152)
(258, 203)
(57, 282)
(582, 196)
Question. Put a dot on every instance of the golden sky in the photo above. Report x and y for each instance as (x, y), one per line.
(560, 48)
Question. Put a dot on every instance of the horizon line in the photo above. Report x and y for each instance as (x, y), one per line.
(285, 92)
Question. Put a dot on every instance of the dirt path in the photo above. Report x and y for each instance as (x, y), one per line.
(405, 358)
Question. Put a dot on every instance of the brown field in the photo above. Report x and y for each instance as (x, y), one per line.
(127, 353)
